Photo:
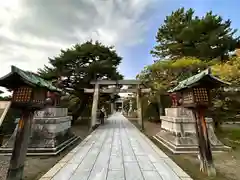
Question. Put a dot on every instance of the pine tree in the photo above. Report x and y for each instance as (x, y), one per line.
(77, 66)
(184, 34)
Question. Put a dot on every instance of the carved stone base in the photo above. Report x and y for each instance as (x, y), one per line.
(50, 133)
(46, 151)
(178, 132)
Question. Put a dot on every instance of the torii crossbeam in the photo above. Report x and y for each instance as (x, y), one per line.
(138, 90)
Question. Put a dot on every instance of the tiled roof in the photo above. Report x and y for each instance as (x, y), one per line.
(195, 80)
(29, 78)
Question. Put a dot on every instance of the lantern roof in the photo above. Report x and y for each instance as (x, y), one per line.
(204, 78)
(19, 77)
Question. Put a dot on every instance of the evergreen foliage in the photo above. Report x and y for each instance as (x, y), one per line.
(183, 34)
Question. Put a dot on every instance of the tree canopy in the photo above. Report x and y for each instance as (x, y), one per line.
(162, 75)
(75, 67)
(183, 34)
(80, 64)
(229, 71)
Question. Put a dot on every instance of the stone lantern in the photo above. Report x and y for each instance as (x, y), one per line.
(29, 95)
(195, 94)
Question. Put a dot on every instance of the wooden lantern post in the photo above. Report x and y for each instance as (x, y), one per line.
(198, 99)
(195, 94)
(29, 95)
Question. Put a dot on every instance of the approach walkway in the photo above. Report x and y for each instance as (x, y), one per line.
(116, 151)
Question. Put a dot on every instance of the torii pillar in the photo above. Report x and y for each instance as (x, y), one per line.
(122, 107)
(96, 92)
(94, 106)
(112, 104)
(139, 108)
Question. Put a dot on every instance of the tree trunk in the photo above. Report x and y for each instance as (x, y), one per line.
(79, 110)
(160, 106)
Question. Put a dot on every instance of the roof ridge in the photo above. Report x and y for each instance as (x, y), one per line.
(195, 78)
(29, 78)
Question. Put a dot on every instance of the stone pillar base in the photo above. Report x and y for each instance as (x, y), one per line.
(178, 132)
(50, 133)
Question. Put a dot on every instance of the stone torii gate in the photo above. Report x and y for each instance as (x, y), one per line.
(139, 90)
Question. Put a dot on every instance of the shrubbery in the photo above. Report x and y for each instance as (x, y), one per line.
(163, 75)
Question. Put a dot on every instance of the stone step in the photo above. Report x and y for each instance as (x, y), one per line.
(181, 149)
(7, 151)
(176, 149)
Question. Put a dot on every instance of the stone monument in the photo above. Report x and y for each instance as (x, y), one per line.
(130, 111)
(50, 129)
(178, 132)
(50, 133)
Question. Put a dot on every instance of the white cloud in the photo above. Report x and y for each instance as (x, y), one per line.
(33, 30)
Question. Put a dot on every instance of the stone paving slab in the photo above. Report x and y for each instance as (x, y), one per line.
(116, 151)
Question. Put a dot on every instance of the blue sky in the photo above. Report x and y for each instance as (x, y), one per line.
(135, 58)
(33, 30)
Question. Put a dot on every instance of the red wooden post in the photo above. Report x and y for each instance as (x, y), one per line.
(200, 141)
(208, 163)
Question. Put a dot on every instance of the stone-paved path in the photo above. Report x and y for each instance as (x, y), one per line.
(116, 151)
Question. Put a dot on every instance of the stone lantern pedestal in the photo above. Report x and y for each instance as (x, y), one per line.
(178, 132)
(50, 133)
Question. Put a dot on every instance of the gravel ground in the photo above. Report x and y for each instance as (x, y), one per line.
(36, 166)
(226, 163)
(4, 163)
